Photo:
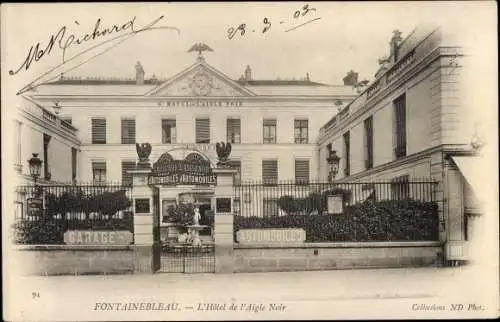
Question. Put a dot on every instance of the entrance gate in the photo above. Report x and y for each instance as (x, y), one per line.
(182, 245)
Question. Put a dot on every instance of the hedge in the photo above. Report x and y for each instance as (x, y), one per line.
(48, 231)
(402, 220)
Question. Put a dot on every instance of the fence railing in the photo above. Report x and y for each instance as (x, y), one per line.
(370, 211)
(54, 209)
(262, 200)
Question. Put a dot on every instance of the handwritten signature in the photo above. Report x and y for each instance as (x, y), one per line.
(122, 33)
(297, 15)
(36, 52)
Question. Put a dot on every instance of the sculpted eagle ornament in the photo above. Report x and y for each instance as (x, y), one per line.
(223, 150)
(143, 151)
(200, 47)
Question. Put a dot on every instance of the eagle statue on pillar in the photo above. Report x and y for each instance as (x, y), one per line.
(223, 150)
(143, 152)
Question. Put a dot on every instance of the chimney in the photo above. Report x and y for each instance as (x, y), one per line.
(139, 74)
(395, 41)
(248, 73)
(351, 78)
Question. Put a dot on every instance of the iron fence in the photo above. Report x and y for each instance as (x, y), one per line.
(264, 200)
(43, 213)
(397, 210)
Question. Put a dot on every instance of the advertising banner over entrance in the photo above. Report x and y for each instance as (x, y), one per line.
(193, 170)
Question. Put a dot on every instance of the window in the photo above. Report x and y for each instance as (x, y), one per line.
(99, 172)
(168, 131)
(400, 188)
(127, 177)
(46, 141)
(301, 131)
(301, 171)
(203, 130)
(400, 126)
(270, 172)
(128, 131)
(347, 152)
(73, 163)
(368, 143)
(269, 130)
(270, 207)
(98, 131)
(233, 127)
(237, 176)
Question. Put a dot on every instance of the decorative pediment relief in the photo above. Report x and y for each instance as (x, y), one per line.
(200, 80)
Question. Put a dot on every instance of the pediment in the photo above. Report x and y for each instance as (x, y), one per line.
(200, 80)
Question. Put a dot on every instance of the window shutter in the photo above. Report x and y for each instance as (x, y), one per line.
(301, 171)
(369, 142)
(400, 126)
(128, 131)
(127, 177)
(347, 152)
(98, 131)
(270, 171)
(202, 130)
(73, 163)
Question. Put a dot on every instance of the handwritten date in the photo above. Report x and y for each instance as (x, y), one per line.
(297, 15)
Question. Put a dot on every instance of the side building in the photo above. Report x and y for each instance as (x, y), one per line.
(39, 132)
(413, 123)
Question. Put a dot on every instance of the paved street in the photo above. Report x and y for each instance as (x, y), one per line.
(325, 294)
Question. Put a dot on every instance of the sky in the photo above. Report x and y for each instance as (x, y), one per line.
(347, 35)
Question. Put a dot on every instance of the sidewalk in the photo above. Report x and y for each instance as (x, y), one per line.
(340, 288)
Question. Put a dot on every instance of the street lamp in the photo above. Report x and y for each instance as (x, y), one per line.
(35, 166)
(333, 163)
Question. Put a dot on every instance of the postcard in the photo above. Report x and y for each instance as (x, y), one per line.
(249, 161)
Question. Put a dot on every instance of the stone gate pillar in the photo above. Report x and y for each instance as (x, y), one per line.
(144, 210)
(142, 196)
(223, 220)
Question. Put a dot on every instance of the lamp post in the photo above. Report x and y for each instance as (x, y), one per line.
(333, 163)
(35, 165)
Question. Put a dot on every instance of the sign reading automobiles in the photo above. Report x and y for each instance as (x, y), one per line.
(192, 170)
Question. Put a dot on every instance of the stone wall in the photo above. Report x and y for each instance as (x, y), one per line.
(74, 260)
(325, 256)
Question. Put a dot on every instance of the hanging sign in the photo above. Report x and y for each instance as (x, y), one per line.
(192, 170)
(35, 206)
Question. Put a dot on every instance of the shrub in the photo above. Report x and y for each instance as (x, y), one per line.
(315, 202)
(38, 232)
(181, 214)
(406, 220)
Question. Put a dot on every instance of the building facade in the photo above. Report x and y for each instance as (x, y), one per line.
(271, 124)
(413, 123)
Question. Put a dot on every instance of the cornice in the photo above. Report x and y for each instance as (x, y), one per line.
(372, 102)
(139, 98)
(460, 149)
(51, 128)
